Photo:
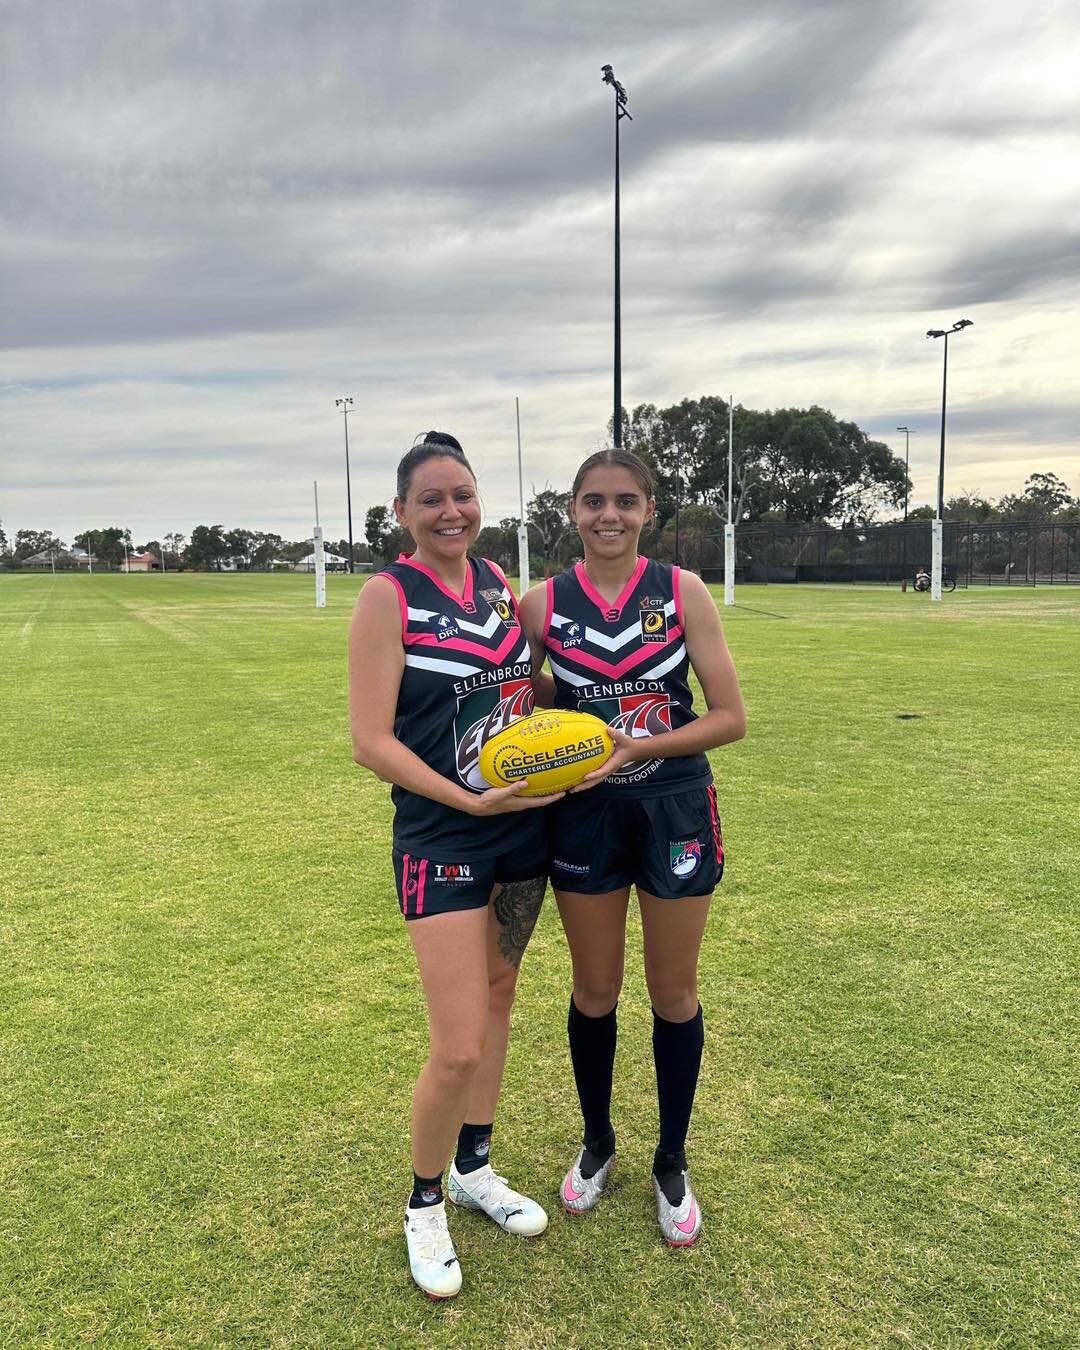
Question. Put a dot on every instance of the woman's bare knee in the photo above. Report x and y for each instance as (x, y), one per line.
(502, 988)
(674, 1001)
(596, 997)
(455, 1065)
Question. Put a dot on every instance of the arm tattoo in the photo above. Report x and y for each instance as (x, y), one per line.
(517, 907)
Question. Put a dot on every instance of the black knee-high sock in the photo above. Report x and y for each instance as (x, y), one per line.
(592, 1053)
(677, 1048)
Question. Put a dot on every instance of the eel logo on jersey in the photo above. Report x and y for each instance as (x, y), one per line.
(685, 856)
(572, 636)
(501, 607)
(636, 715)
(480, 715)
(445, 627)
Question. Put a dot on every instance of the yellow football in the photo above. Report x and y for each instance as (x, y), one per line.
(550, 750)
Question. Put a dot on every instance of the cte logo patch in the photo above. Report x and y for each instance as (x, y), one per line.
(685, 857)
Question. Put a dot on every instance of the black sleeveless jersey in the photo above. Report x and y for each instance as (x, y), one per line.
(468, 672)
(626, 663)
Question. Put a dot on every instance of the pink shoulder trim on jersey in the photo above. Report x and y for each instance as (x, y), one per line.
(676, 590)
(501, 575)
(464, 599)
(403, 604)
(604, 606)
(550, 607)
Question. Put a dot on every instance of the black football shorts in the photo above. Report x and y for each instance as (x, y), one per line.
(669, 846)
(438, 885)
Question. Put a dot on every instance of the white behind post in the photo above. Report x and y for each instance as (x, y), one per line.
(935, 564)
(523, 531)
(729, 528)
(320, 558)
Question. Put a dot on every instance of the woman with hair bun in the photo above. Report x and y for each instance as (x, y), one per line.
(621, 634)
(438, 663)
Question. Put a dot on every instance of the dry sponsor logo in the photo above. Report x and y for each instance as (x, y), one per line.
(685, 857)
(481, 713)
(572, 635)
(445, 627)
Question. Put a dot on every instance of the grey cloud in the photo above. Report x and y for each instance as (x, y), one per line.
(1026, 262)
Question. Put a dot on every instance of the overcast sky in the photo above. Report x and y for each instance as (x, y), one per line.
(219, 216)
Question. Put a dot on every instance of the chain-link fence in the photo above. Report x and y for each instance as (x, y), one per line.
(1012, 554)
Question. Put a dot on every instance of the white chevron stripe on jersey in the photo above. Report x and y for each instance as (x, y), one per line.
(654, 672)
(570, 676)
(486, 630)
(612, 644)
(445, 667)
(672, 657)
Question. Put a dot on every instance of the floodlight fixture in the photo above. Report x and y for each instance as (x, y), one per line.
(620, 113)
(957, 327)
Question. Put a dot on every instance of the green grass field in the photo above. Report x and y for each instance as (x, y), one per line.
(209, 1017)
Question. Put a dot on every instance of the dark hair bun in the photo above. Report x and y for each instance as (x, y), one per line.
(443, 438)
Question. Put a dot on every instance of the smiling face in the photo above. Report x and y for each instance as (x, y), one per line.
(441, 509)
(610, 510)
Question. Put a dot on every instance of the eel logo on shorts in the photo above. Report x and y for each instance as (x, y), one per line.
(572, 636)
(445, 627)
(685, 857)
(501, 607)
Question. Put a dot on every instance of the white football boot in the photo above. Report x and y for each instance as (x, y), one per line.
(487, 1191)
(432, 1259)
(579, 1194)
(679, 1224)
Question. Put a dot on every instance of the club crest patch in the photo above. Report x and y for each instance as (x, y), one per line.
(653, 619)
(685, 856)
(501, 606)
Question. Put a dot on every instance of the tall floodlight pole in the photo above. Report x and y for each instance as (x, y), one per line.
(729, 528)
(620, 113)
(523, 532)
(346, 406)
(938, 527)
